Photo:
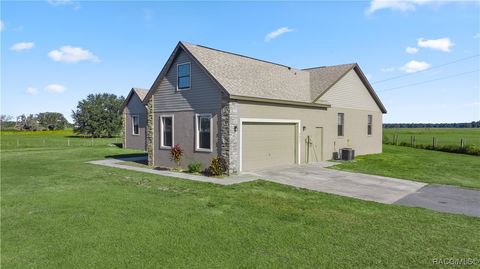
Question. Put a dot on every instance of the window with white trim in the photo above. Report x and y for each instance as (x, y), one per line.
(166, 131)
(340, 124)
(369, 125)
(203, 135)
(135, 123)
(183, 76)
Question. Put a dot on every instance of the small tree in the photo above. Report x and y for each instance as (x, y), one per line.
(6, 121)
(98, 116)
(52, 120)
(27, 123)
(176, 154)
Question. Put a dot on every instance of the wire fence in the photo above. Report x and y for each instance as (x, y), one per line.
(433, 141)
(48, 141)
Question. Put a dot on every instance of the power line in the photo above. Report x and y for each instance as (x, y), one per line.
(434, 67)
(431, 80)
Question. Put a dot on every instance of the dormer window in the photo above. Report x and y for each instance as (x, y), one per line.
(183, 76)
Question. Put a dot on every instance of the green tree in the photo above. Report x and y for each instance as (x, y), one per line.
(52, 120)
(98, 116)
(27, 123)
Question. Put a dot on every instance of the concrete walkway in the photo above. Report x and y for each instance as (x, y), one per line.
(223, 181)
(362, 186)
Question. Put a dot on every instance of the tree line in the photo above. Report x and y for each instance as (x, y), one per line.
(97, 116)
(473, 124)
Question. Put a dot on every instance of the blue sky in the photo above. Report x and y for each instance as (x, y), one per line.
(54, 53)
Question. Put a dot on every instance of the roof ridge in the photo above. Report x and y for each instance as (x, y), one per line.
(241, 55)
(327, 66)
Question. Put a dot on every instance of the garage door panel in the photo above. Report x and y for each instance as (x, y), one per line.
(268, 144)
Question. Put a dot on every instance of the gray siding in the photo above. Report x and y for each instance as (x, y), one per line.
(204, 96)
(135, 107)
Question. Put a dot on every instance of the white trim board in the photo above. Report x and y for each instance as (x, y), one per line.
(197, 141)
(133, 117)
(189, 76)
(162, 146)
(296, 122)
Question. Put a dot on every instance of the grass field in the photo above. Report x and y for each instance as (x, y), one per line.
(49, 139)
(444, 136)
(419, 165)
(59, 212)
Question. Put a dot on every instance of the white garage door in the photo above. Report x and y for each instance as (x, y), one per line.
(268, 144)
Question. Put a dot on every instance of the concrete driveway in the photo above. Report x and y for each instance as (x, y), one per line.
(376, 188)
(315, 177)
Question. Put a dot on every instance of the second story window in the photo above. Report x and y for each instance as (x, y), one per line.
(183, 76)
(340, 124)
(369, 125)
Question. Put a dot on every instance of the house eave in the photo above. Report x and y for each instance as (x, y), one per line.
(278, 101)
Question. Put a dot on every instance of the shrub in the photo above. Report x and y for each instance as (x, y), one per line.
(218, 166)
(194, 167)
(176, 154)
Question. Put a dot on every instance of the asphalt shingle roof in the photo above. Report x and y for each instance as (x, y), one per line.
(244, 76)
(142, 93)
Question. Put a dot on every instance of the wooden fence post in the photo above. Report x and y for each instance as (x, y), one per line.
(462, 143)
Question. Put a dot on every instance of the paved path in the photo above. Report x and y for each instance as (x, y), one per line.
(362, 186)
(445, 199)
(223, 181)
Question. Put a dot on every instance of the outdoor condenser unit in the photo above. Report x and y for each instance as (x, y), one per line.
(347, 154)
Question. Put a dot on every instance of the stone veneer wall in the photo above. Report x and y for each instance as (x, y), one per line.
(150, 131)
(229, 148)
(124, 127)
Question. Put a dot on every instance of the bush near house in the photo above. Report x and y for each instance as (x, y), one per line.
(218, 166)
(176, 154)
(195, 167)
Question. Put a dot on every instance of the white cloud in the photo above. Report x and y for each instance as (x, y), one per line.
(472, 104)
(415, 66)
(2, 26)
(387, 69)
(147, 14)
(477, 35)
(69, 54)
(411, 50)
(55, 88)
(369, 76)
(442, 44)
(401, 5)
(75, 4)
(32, 90)
(280, 31)
(22, 46)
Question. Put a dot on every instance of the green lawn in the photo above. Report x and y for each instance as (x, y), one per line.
(59, 212)
(444, 136)
(419, 165)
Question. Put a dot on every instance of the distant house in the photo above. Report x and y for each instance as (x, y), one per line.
(135, 119)
(257, 114)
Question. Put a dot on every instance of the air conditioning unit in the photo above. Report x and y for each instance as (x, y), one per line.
(347, 154)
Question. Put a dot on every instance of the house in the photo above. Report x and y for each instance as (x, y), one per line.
(258, 114)
(134, 115)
